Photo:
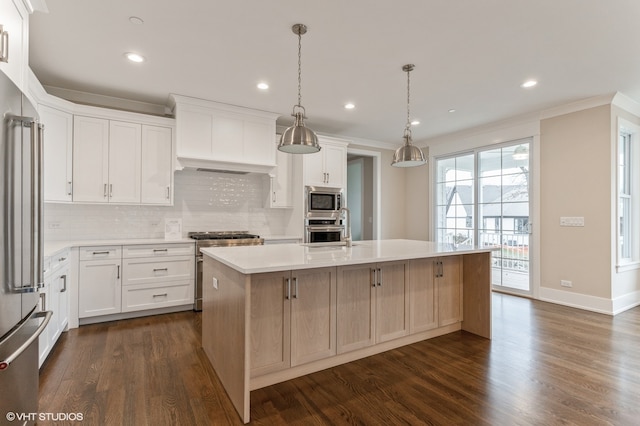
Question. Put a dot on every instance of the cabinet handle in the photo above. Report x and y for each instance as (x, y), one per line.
(4, 45)
(168, 193)
(118, 277)
(374, 277)
(328, 177)
(105, 191)
(157, 250)
(160, 295)
(110, 190)
(273, 197)
(69, 188)
(43, 297)
(287, 295)
(439, 269)
(101, 252)
(295, 281)
(379, 277)
(160, 269)
(62, 259)
(64, 280)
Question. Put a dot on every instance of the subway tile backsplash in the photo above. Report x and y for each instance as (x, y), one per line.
(205, 201)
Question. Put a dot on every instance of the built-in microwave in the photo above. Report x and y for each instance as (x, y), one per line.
(322, 200)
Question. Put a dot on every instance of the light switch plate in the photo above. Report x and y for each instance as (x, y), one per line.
(572, 221)
(215, 283)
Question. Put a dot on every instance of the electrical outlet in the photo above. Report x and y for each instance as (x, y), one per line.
(572, 221)
(566, 283)
(215, 283)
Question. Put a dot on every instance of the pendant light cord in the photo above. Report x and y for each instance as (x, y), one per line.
(299, 68)
(408, 100)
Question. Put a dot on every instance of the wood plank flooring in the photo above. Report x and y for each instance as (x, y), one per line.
(546, 365)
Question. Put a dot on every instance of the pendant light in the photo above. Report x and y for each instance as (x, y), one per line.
(408, 155)
(299, 139)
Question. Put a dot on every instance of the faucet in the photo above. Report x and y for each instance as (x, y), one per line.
(347, 239)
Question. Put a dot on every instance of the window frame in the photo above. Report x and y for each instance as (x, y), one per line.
(627, 172)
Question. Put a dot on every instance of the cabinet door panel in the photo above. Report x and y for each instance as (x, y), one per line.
(100, 288)
(257, 147)
(313, 165)
(157, 170)
(194, 129)
(270, 323)
(392, 302)
(124, 162)
(90, 159)
(355, 307)
(450, 291)
(14, 20)
(313, 315)
(335, 163)
(58, 153)
(424, 307)
(227, 138)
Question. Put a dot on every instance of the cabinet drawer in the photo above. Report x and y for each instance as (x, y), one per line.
(158, 250)
(141, 297)
(100, 252)
(150, 271)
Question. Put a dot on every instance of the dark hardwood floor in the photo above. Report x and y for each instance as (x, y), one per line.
(546, 365)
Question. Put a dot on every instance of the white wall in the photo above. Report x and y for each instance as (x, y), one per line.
(204, 201)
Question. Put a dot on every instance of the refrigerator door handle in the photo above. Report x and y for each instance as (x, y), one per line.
(4, 364)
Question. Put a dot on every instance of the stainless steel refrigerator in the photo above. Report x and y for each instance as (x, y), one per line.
(21, 252)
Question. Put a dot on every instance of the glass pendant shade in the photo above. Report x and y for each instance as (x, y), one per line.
(299, 139)
(408, 155)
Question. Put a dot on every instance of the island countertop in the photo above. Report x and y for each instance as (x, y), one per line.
(278, 257)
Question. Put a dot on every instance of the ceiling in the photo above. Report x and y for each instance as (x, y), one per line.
(469, 55)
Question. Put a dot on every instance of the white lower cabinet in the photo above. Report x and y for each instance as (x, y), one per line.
(124, 279)
(54, 297)
(100, 281)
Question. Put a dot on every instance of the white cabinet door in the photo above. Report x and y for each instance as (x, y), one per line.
(157, 165)
(282, 180)
(125, 147)
(314, 173)
(62, 284)
(100, 288)
(328, 167)
(194, 127)
(335, 164)
(58, 153)
(90, 159)
(14, 20)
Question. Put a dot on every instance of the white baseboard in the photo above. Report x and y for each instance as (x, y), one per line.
(577, 300)
(626, 302)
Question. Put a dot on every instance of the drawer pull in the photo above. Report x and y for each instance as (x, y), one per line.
(62, 259)
(160, 269)
(160, 295)
(101, 252)
(157, 250)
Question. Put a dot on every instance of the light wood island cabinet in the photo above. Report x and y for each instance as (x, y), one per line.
(275, 312)
(373, 304)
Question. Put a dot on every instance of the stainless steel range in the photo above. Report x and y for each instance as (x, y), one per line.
(218, 239)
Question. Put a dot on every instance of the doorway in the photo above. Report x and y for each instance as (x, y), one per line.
(363, 168)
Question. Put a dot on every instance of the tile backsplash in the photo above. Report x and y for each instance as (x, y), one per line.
(205, 201)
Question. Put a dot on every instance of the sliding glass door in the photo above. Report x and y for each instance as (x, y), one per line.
(483, 198)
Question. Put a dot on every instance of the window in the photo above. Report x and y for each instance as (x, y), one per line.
(628, 175)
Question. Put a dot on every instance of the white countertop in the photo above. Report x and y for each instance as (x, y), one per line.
(280, 257)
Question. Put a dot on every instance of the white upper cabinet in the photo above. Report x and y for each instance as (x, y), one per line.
(219, 136)
(157, 166)
(281, 180)
(58, 154)
(14, 37)
(125, 147)
(90, 159)
(328, 167)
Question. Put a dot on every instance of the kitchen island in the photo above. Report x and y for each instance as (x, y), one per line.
(272, 313)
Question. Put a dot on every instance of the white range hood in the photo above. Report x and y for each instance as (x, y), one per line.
(221, 137)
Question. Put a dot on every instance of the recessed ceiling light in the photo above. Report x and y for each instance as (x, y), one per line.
(415, 122)
(529, 83)
(349, 105)
(452, 110)
(134, 57)
(135, 20)
(263, 86)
